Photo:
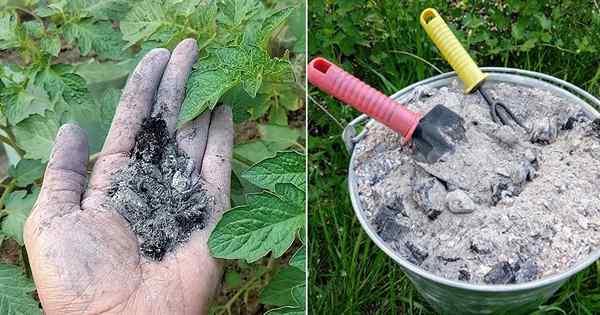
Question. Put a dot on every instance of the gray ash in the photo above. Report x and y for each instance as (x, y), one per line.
(157, 193)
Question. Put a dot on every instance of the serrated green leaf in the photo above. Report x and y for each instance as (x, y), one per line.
(18, 104)
(36, 135)
(279, 290)
(142, 21)
(285, 167)
(276, 133)
(268, 223)
(45, 11)
(107, 9)
(9, 36)
(278, 115)
(237, 12)
(26, 171)
(17, 208)
(271, 23)
(33, 28)
(222, 70)
(51, 44)
(204, 89)
(15, 292)
(99, 36)
(297, 28)
(257, 150)
(84, 110)
(299, 259)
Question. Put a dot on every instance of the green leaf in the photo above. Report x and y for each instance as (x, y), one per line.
(107, 9)
(36, 135)
(84, 110)
(27, 171)
(258, 150)
(99, 36)
(108, 106)
(17, 208)
(142, 21)
(233, 279)
(15, 292)
(222, 70)
(268, 222)
(282, 134)
(19, 103)
(237, 12)
(51, 44)
(299, 259)
(269, 25)
(299, 294)
(9, 35)
(33, 28)
(279, 290)
(285, 167)
(278, 115)
(204, 89)
(297, 28)
(104, 75)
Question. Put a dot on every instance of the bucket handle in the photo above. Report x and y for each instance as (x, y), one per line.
(350, 135)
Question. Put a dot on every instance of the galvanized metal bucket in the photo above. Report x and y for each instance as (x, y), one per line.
(456, 297)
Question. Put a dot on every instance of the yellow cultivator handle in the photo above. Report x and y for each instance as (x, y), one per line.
(452, 50)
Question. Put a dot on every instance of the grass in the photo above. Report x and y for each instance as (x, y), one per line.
(382, 42)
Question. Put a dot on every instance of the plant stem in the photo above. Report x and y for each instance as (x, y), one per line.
(236, 296)
(10, 140)
(7, 191)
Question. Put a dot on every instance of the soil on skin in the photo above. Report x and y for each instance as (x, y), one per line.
(158, 192)
(509, 205)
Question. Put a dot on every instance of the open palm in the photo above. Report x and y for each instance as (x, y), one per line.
(83, 255)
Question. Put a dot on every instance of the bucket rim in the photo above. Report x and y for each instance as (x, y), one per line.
(350, 137)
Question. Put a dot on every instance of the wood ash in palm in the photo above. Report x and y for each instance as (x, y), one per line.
(508, 206)
(158, 194)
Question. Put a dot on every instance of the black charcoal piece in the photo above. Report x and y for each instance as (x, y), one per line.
(430, 195)
(157, 193)
(464, 275)
(418, 254)
(387, 224)
(501, 273)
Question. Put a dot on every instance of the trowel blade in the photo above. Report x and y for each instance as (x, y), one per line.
(438, 133)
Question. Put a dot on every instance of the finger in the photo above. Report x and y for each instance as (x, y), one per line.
(134, 106)
(136, 102)
(172, 86)
(65, 176)
(216, 164)
(192, 137)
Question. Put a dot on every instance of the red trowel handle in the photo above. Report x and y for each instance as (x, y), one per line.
(336, 82)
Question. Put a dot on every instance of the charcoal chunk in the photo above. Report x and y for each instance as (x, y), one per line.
(388, 226)
(464, 275)
(501, 273)
(481, 246)
(430, 195)
(418, 253)
(544, 131)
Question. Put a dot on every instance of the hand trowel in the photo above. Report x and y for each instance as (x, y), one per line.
(433, 134)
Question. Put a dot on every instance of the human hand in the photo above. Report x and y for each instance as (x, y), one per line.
(83, 255)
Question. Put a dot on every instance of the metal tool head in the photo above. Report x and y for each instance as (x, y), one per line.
(437, 134)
